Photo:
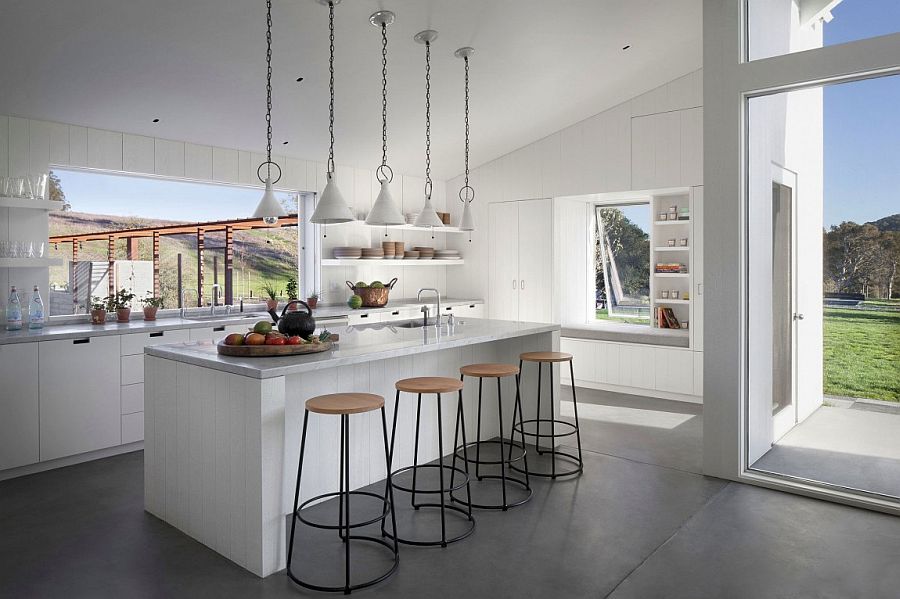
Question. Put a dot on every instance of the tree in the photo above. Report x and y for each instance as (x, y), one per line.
(630, 246)
(55, 191)
(862, 258)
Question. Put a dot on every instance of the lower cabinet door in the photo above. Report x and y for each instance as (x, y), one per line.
(19, 409)
(132, 427)
(80, 407)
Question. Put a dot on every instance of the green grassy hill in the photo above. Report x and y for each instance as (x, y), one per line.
(259, 256)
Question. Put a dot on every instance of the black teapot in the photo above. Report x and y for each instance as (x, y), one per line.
(295, 323)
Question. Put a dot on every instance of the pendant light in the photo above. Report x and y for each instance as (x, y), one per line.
(428, 216)
(466, 193)
(269, 208)
(384, 211)
(332, 208)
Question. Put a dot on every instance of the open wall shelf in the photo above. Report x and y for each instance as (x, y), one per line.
(30, 204)
(29, 262)
(404, 263)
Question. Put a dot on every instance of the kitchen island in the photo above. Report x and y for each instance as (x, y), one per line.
(222, 434)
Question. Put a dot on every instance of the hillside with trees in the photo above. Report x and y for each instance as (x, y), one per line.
(863, 258)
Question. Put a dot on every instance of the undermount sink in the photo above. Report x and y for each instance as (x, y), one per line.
(418, 324)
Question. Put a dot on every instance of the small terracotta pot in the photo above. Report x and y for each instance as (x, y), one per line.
(150, 312)
(312, 301)
(123, 314)
(98, 316)
(271, 304)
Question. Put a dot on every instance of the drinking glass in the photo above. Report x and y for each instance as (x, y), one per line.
(38, 249)
(4, 248)
(13, 249)
(4, 187)
(28, 249)
(38, 186)
(16, 187)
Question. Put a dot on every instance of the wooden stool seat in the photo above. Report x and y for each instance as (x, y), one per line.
(345, 403)
(489, 370)
(545, 356)
(428, 384)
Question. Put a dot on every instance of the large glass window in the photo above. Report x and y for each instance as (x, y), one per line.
(777, 27)
(622, 263)
(111, 208)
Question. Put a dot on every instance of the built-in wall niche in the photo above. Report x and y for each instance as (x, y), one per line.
(670, 277)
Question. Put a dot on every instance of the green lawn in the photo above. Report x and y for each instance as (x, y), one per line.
(862, 351)
(602, 314)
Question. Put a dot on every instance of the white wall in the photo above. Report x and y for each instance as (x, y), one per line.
(651, 141)
(31, 146)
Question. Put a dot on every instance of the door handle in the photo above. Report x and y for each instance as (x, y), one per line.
(798, 317)
(514, 283)
(522, 284)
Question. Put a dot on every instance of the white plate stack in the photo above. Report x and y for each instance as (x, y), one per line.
(347, 253)
(446, 254)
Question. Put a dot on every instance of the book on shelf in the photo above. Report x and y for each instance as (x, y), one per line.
(670, 267)
(665, 319)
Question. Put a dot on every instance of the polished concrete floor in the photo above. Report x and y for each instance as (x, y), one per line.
(640, 524)
(855, 445)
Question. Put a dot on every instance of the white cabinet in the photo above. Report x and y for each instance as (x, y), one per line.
(216, 333)
(79, 386)
(134, 343)
(667, 149)
(521, 255)
(400, 314)
(364, 318)
(19, 408)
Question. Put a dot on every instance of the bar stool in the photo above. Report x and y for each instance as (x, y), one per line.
(436, 385)
(550, 357)
(345, 404)
(498, 371)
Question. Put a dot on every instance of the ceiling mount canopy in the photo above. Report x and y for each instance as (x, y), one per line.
(428, 216)
(384, 211)
(269, 208)
(331, 208)
(466, 193)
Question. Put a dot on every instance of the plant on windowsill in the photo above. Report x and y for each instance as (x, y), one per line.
(313, 300)
(291, 290)
(151, 305)
(99, 307)
(121, 302)
(271, 295)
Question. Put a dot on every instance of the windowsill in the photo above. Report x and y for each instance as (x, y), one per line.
(628, 333)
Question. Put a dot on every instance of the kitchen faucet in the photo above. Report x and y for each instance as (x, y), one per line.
(214, 299)
(183, 304)
(437, 296)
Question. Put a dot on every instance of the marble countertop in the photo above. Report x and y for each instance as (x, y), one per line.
(357, 344)
(168, 322)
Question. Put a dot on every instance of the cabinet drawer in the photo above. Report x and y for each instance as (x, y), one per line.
(132, 428)
(133, 398)
(355, 319)
(133, 369)
(400, 314)
(134, 343)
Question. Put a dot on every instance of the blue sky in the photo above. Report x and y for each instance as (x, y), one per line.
(862, 124)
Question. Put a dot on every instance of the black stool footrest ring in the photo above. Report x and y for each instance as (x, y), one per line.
(470, 448)
(353, 587)
(559, 454)
(517, 428)
(439, 543)
(384, 513)
(400, 487)
(500, 506)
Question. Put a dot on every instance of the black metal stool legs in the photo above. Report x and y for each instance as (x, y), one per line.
(344, 525)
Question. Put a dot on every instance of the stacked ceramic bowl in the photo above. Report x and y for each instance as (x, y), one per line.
(372, 254)
(410, 255)
(425, 253)
(398, 250)
(446, 254)
(387, 247)
(348, 253)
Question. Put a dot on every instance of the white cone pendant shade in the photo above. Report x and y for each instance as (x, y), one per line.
(269, 208)
(428, 216)
(331, 209)
(468, 220)
(385, 211)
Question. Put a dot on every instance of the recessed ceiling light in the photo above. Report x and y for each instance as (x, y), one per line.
(626, 47)
(299, 79)
(155, 120)
(284, 143)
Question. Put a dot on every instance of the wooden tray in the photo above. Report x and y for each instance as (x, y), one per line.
(266, 351)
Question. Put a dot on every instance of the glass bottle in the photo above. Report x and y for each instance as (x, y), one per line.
(36, 310)
(13, 311)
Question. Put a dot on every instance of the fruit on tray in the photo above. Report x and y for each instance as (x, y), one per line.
(355, 302)
(361, 284)
(263, 326)
(295, 340)
(325, 335)
(377, 285)
(234, 339)
(254, 339)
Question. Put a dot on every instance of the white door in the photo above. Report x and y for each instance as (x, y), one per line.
(504, 260)
(535, 259)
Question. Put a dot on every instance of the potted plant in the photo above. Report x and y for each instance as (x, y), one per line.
(313, 299)
(272, 295)
(98, 309)
(121, 301)
(291, 290)
(151, 305)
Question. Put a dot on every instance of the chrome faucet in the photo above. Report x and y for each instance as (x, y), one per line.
(437, 295)
(214, 298)
(183, 304)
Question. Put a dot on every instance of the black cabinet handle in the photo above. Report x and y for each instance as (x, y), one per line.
(80, 341)
(363, 315)
(157, 334)
(218, 329)
(397, 313)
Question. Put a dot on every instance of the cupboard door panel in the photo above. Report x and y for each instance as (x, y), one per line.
(80, 407)
(643, 153)
(667, 149)
(104, 149)
(674, 370)
(535, 254)
(19, 409)
(132, 427)
(504, 261)
(691, 146)
(138, 153)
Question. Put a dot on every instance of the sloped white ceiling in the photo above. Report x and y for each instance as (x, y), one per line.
(199, 66)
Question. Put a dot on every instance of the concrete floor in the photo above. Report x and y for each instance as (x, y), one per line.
(848, 446)
(627, 528)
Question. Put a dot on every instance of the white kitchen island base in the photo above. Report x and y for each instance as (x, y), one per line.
(222, 435)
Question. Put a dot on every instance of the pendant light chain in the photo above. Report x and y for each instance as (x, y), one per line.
(269, 88)
(383, 94)
(428, 184)
(466, 58)
(331, 86)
